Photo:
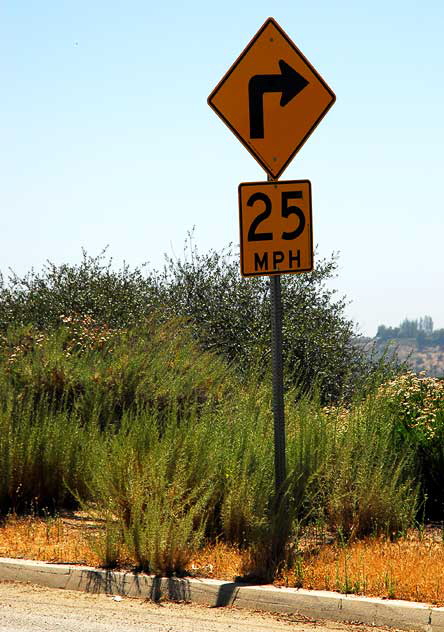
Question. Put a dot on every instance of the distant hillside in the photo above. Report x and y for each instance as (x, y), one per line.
(428, 359)
(414, 342)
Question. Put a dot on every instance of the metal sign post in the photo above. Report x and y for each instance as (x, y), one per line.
(272, 99)
(280, 468)
(280, 461)
(280, 513)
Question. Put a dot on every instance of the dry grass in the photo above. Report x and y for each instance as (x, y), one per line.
(410, 568)
(219, 561)
(57, 540)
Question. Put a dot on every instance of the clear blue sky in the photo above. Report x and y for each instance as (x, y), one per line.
(106, 137)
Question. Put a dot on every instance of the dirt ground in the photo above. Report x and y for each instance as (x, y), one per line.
(30, 608)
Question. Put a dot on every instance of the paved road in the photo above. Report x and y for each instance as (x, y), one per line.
(29, 608)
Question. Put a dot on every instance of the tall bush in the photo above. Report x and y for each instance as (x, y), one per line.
(368, 479)
(227, 314)
(46, 456)
(417, 404)
(231, 315)
(93, 288)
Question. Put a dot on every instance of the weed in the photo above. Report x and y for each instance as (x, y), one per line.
(174, 448)
(390, 584)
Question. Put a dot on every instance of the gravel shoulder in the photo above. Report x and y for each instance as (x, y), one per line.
(27, 607)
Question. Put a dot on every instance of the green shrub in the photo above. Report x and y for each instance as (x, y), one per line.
(368, 477)
(417, 404)
(348, 468)
(94, 370)
(231, 315)
(45, 456)
(227, 314)
(93, 288)
(155, 486)
(171, 446)
(71, 386)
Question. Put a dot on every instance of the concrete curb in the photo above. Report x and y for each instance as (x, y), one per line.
(316, 604)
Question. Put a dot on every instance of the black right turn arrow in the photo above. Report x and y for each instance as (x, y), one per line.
(289, 82)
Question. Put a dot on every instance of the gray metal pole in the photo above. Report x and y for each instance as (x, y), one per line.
(278, 387)
(280, 468)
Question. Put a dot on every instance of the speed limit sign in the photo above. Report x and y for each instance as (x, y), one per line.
(275, 227)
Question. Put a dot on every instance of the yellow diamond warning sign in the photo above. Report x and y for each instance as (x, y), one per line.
(275, 227)
(272, 98)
